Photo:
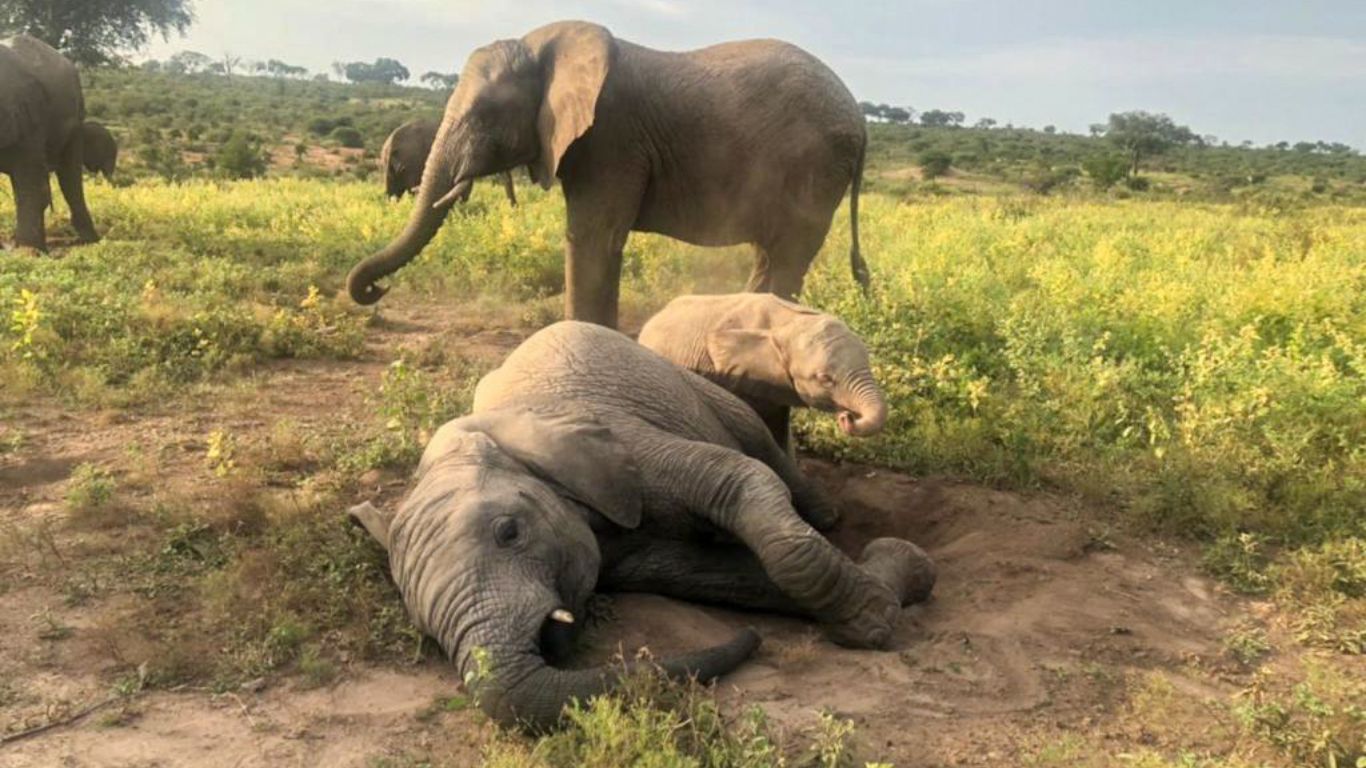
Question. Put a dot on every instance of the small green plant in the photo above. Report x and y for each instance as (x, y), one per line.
(90, 492)
(1241, 561)
(1247, 645)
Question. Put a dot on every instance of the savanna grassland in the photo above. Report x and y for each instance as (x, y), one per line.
(188, 406)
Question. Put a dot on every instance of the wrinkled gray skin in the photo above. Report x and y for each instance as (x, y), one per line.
(405, 154)
(773, 354)
(101, 150)
(589, 463)
(744, 142)
(41, 111)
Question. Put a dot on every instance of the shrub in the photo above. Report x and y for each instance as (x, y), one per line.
(934, 163)
(1105, 171)
(241, 157)
(348, 137)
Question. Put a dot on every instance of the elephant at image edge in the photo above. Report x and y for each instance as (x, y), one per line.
(404, 155)
(101, 150)
(775, 355)
(743, 142)
(590, 462)
(42, 110)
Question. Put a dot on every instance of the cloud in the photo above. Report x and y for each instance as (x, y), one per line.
(1147, 59)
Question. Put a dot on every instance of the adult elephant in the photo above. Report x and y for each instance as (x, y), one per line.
(41, 112)
(588, 462)
(101, 150)
(744, 142)
(405, 155)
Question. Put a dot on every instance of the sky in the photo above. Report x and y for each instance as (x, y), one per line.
(1259, 70)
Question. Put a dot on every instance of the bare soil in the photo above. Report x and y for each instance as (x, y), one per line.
(1041, 621)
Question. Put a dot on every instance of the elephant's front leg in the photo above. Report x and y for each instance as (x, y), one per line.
(73, 189)
(600, 209)
(746, 498)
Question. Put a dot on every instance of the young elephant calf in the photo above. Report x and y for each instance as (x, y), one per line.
(589, 462)
(774, 355)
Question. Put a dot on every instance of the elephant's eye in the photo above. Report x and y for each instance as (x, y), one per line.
(825, 379)
(505, 531)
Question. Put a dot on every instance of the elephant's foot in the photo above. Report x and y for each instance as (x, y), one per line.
(871, 626)
(902, 566)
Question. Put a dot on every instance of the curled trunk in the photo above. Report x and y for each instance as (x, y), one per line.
(863, 409)
(439, 187)
(523, 690)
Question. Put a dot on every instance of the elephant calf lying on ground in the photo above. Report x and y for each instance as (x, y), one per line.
(590, 461)
(775, 355)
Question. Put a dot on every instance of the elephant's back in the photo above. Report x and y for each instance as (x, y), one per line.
(61, 108)
(605, 372)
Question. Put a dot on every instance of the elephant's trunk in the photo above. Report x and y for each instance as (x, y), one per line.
(521, 689)
(440, 183)
(862, 407)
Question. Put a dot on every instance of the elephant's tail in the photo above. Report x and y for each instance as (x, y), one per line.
(857, 266)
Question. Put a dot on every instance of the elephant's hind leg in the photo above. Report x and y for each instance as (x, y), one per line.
(32, 196)
(744, 497)
(717, 574)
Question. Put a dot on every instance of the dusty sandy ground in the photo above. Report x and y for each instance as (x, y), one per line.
(1039, 621)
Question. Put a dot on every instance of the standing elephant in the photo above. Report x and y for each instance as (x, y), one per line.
(405, 155)
(775, 355)
(101, 150)
(41, 112)
(589, 461)
(745, 142)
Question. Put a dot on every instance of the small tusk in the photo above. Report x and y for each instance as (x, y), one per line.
(459, 190)
(562, 616)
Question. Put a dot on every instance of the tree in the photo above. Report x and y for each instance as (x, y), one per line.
(1143, 134)
(277, 68)
(440, 80)
(898, 115)
(985, 124)
(938, 118)
(95, 31)
(386, 71)
(188, 62)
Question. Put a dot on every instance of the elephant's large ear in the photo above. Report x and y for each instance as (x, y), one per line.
(749, 357)
(575, 57)
(574, 451)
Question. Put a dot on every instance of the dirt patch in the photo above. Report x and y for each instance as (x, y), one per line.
(1033, 617)
(1039, 622)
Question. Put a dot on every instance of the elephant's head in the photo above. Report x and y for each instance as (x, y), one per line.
(100, 152)
(495, 555)
(518, 102)
(804, 357)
